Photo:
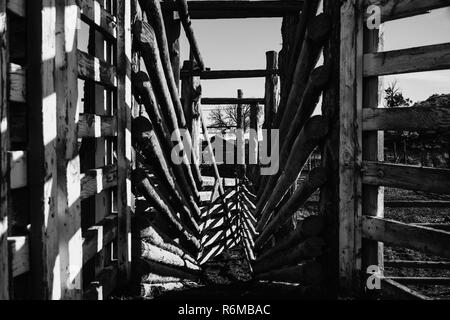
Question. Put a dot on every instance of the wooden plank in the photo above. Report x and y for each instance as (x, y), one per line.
(68, 188)
(426, 58)
(207, 9)
(17, 7)
(95, 126)
(414, 118)
(229, 74)
(431, 281)
(406, 177)
(93, 13)
(233, 101)
(397, 9)
(95, 69)
(124, 146)
(417, 264)
(349, 149)
(18, 169)
(404, 235)
(95, 181)
(400, 291)
(20, 255)
(4, 148)
(17, 83)
(438, 226)
(97, 237)
(417, 204)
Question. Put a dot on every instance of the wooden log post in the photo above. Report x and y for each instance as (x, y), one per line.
(154, 15)
(4, 148)
(153, 195)
(144, 89)
(124, 104)
(271, 95)
(173, 28)
(253, 143)
(150, 272)
(317, 81)
(240, 138)
(316, 178)
(190, 97)
(312, 134)
(146, 38)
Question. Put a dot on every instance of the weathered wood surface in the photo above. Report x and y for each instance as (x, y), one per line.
(146, 37)
(397, 9)
(421, 281)
(154, 196)
(95, 126)
(97, 237)
(18, 169)
(308, 139)
(17, 7)
(153, 253)
(316, 178)
(20, 255)
(93, 13)
(308, 227)
(96, 180)
(104, 285)
(308, 249)
(144, 89)
(414, 118)
(206, 9)
(150, 272)
(95, 69)
(399, 234)
(153, 10)
(308, 273)
(406, 177)
(229, 74)
(417, 264)
(17, 83)
(4, 148)
(400, 291)
(288, 136)
(426, 58)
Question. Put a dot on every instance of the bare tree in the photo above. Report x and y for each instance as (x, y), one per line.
(226, 116)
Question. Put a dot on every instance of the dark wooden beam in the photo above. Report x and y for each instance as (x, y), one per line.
(236, 101)
(206, 9)
(229, 74)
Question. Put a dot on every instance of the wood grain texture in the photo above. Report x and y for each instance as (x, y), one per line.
(406, 177)
(414, 118)
(426, 58)
(96, 180)
(95, 126)
(20, 255)
(17, 83)
(400, 291)
(94, 14)
(95, 69)
(398, 234)
(397, 9)
(97, 237)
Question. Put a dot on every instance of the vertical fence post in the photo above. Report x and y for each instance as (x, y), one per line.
(240, 138)
(173, 30)
(124, 137)
(4, 148)
(42, 157)
(67, 159)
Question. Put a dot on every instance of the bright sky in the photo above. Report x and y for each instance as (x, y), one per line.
(242, 43)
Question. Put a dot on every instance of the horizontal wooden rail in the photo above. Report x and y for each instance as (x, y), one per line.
(397, 9)
(17, 83)
(20, 255)
(94, 126)
(228, 74)
(400, 291)
(94, 14)
(92, 68)
(406, 177)
(97, 237)
(417, 264)
(96, 180)
(398, 234)
(18, 169)
(438, 226)
(414, 118)
(427, 58)
(404, 204)
(213, 9)
(233, 101)
(422, 280)
(17, 7)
